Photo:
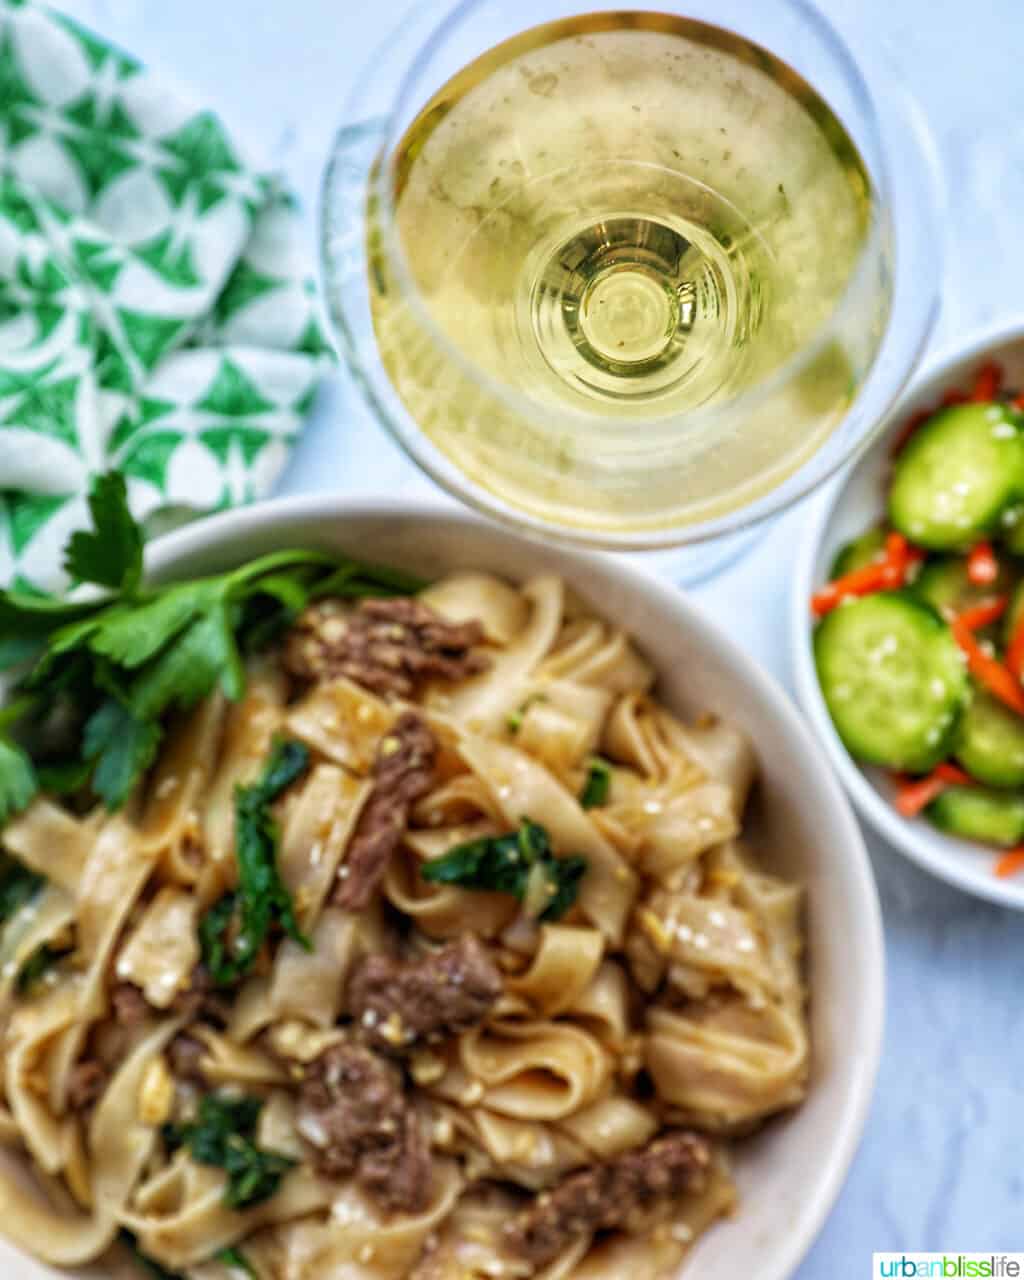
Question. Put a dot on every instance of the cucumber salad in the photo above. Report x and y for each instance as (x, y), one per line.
(919, 643)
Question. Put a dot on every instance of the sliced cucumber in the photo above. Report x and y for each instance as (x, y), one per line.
(943, 583)
(893, 680)
(957, 475)
(993, 817)
(1011, 529)
(1013, 614)
(990, 742)
(866, 549)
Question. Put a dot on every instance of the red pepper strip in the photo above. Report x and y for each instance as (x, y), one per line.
(953, 774)
(987, 382)
(983, 615)
(953, 396)
(982, 565)
(1010, 863)
(918, 793)
(880, 576)
(901, 555)
(1015, 650)
(1018, 403)
(915, 421)
(990, 672)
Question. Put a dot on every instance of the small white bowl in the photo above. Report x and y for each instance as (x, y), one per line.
(854, 503)
(790, 1174)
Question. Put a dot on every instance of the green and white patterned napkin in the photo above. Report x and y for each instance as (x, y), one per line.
(155, 311)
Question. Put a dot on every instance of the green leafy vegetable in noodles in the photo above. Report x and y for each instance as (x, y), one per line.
(37, 966)
(598, 784)
(18, 886)
(236, 926)
(236, 1260)
(223, 1135)
(520, 863)
(145, 1263)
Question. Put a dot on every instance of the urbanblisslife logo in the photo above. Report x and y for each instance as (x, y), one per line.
(948, 1266)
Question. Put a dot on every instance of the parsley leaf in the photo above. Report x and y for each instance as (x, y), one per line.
(598, 784)
(508, 863)
(235, 928)
(110, 554)
(223, 1135)
(18, 783)
(122, 746)
(202, 656)
(121, 661)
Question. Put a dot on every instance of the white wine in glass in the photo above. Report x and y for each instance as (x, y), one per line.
(626, 271)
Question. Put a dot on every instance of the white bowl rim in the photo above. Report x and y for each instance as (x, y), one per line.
(908, 837)
(845, 1139)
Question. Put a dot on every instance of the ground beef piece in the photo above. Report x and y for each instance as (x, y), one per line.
(402, 773)
(608, 1195)
(388, 646)
(201, 1001)
(185, 1055)
(398, 1003)
(355, 1115)
(130, 1006)
(86, 1081)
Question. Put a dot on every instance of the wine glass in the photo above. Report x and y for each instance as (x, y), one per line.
(635, 280)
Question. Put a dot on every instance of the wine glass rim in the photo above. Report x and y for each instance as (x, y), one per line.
(656, 426)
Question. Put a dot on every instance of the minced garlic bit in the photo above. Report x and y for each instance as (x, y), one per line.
(478, 1233)
(443, 1131)
(426, 1067)
(156, 1093)
(388, 747)
(299, 1041)
(722, 877)
(655, 929)
(393, 1031)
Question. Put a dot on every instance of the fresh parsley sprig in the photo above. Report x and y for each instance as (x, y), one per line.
(223, 1135)
(120, 661)
(234, 929)
(512, 864)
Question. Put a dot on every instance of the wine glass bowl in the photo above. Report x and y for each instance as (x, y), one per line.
(624, 278)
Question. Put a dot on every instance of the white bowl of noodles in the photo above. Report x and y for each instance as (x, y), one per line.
(729, 1052)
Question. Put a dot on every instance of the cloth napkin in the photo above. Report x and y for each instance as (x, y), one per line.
(156, 314)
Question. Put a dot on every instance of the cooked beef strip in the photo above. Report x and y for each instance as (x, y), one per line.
(86, 1081)
(129, 1004)
(185, 1055)
(201, 1001)
(355, 1115)
(606, 1196)
(388, 646)
(398, 1003)
(402, 773)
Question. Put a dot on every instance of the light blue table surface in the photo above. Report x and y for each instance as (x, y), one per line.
(942, 1163)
